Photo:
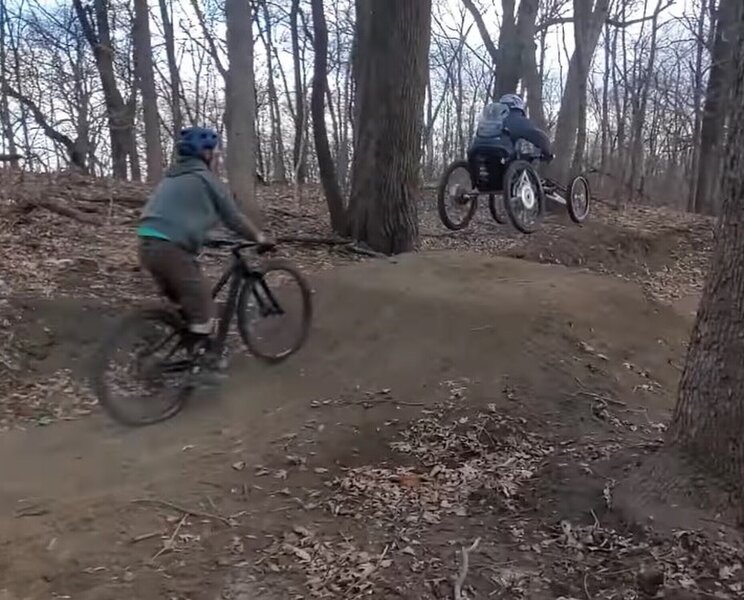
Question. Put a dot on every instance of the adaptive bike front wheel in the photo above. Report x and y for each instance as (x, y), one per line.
(457, 201)
(275, 311)
(141, 373)
(578, 199)
(524, 197)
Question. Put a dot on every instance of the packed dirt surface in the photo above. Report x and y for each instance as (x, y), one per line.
(454, 398)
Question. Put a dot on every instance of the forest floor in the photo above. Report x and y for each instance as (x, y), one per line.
(493, 387)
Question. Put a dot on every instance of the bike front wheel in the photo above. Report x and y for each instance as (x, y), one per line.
(524, 197)
(141, 373)
(275, 311)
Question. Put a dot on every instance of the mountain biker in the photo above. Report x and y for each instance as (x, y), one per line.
(188, 202)
(501, 127)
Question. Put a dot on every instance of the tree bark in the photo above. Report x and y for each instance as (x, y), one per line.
(717, 98)
(146, 79)
(709, 417)
(385, 172)
(240, 107)
(327, 169)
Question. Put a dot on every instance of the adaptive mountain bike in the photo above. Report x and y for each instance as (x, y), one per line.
(145, 369)
(515, 192)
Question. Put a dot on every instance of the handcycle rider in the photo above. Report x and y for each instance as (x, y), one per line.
(501, 127)
(187, 203)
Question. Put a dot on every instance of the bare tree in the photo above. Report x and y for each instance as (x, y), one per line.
(97, 31)
(385, 171)
(716, 100)
(334, 197)
(146, 80)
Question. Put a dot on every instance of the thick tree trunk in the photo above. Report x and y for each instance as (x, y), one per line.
(240, 107)
(717, 99)
(146, 80)
(385, 172)
(709, 418)
(326, 166)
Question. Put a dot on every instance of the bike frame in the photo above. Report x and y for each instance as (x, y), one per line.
(237, 275)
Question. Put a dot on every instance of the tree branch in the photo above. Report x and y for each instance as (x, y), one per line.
(548, 23)
(481, 25)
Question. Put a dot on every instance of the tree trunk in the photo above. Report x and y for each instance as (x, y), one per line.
(240, 107)
(298, 153)
(709, 417)
(717, 98)
(174, 75)
(569, 115)
(146, 80)
(639, 116)
(697, 96)
(277, 141)
(385, 173)
(7, 129)
(326, 166)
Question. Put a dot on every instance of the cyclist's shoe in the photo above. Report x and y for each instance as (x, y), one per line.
(209, 371)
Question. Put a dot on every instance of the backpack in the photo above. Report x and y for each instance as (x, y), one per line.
(491, 121)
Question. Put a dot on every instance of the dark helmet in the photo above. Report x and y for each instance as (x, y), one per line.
(195, 140)
(514, 102)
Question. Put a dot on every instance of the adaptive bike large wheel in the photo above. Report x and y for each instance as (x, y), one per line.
(275, 311)
(497, 208)
(524, 197)
(578, 198)
(457, 201)
(141, 373)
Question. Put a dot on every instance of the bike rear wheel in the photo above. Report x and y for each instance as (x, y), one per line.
(141, 373)
(457, 201)
(497, 208)
(275, 311)
(578, 199)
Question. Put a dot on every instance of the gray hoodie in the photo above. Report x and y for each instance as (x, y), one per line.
(188, 202)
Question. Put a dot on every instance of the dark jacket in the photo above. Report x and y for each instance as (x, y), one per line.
(519, 127)
(188, 202)
(500, 127)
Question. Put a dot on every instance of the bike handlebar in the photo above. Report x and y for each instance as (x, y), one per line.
(537, 156)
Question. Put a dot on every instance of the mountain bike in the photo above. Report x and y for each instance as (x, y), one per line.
(148, 365)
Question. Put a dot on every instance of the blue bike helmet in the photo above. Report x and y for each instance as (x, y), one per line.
(514, 102)
(195, 140)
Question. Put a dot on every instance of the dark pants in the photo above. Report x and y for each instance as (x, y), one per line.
(177, 274)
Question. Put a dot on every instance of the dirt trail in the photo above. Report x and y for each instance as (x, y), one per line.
(520, 334)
